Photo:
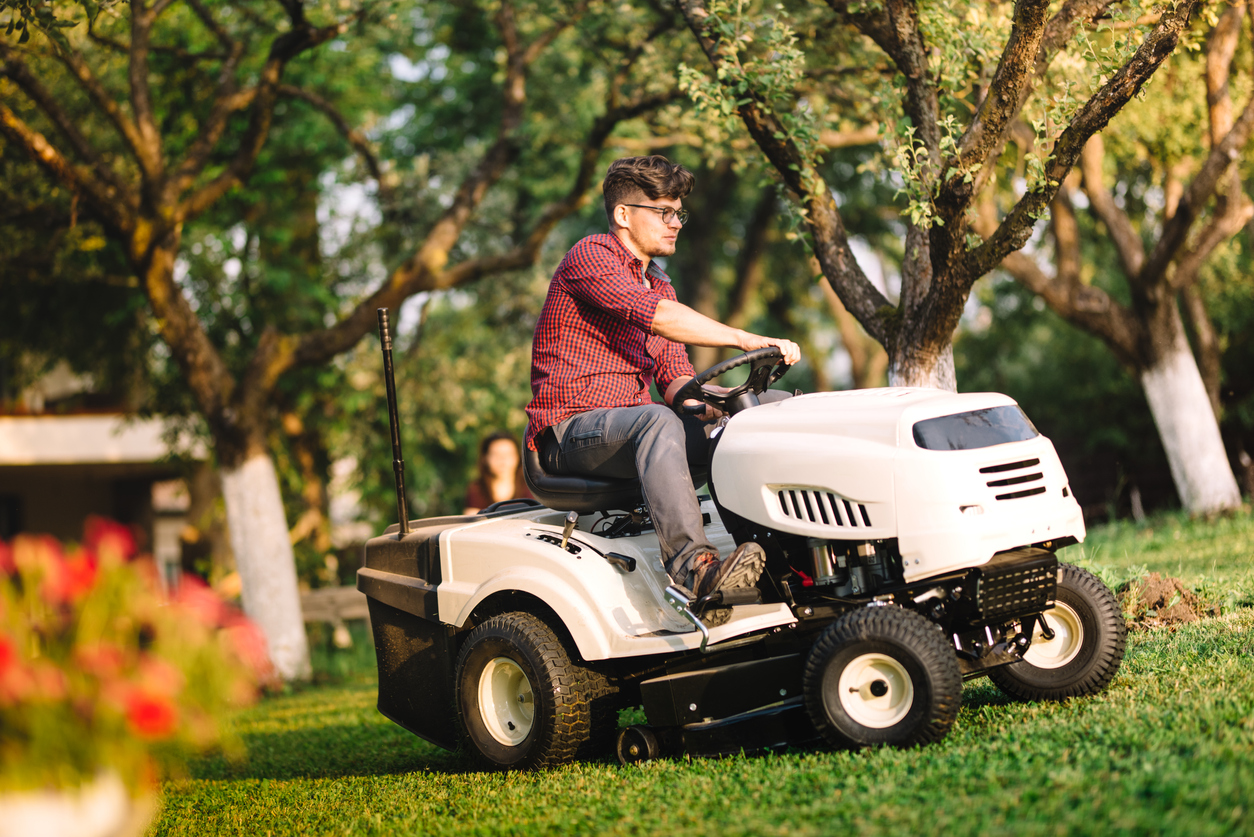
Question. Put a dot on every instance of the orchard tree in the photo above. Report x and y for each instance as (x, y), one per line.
(1166, 194)
(948, 83)
(154, 115)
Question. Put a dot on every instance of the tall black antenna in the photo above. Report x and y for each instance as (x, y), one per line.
(398, 461)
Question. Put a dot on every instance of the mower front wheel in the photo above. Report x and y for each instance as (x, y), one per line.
(1081, 651)
(520, 697)
(882, 675)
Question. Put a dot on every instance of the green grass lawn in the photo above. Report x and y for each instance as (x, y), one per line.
(1167, 749)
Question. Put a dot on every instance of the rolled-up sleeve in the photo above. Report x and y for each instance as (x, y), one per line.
(594, 275)
(672, 363)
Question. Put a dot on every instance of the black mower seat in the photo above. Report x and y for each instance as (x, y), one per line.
(566, 492)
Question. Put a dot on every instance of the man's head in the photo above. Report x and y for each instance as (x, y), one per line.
(638, 191)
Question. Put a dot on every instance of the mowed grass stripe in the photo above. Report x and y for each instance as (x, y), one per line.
(1167, 749)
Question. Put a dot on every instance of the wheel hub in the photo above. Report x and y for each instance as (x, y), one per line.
(1064, 645)
(506, 701)
(876, 691)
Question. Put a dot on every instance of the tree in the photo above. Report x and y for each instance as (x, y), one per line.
(205, 88)
(1202, 205)
(949, 96)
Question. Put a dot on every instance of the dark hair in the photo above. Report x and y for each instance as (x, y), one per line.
(485, 478)
(653, 177)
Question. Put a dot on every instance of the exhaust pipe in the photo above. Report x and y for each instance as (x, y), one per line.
(398, 462)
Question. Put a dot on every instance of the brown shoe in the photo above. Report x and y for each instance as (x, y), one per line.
(741, 569)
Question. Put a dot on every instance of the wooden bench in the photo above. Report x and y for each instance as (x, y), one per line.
(335, 606)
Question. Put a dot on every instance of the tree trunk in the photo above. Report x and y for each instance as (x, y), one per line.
(867, 359)
(267, 567)
(1190, 435)
(919, 367)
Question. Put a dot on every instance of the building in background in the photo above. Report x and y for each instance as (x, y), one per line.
(61, 461)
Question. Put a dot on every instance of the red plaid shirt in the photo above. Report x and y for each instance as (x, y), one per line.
(594, 345)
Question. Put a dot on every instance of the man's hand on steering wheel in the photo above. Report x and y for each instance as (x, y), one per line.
(790, 350)
(766, 365)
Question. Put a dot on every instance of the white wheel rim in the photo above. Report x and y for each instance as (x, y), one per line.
(876, 691)
(506, 701)
(1067, 641)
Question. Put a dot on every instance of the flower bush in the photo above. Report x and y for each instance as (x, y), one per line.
(100, 670)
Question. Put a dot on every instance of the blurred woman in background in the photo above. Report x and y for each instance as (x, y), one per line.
(500, 473)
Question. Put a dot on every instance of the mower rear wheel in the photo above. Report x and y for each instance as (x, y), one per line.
(636, 744)
(1084, 653)
(521, 700)
(882, 675)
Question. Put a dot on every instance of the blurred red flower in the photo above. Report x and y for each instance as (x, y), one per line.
(104, 660)
(150, 716)
(49, 681)
(108, 539)
(97, 659)
(249, 645)
(200, 599)
(12, 679)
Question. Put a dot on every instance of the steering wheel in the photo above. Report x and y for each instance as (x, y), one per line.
(767, 367)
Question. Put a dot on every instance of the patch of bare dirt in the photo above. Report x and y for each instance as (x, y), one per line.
(1154, 600)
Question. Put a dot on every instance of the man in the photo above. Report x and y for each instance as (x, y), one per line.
(610, 326)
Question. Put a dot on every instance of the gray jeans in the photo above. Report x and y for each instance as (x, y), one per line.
(670, 454)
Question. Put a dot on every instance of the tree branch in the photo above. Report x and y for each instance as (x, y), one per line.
(148, 152)
(1016, 228)
(830, 239)
(17, 70)
(1127, 240)
(1085, 306)
(866, 135)
(1176, 229)
(177, 52)
(316, 347)
(76, 178)
(546, 38)
(86, 79)
(211, 23)
(1006, 94)
(355, 138)
(425, 269)
(1220, 229)
(287, 46)
(895, 29)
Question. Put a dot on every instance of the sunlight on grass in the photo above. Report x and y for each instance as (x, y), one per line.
(1167, 749)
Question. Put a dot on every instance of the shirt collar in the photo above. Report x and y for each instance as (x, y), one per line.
(655, 273)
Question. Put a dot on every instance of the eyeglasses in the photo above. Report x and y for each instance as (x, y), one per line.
(668, 214)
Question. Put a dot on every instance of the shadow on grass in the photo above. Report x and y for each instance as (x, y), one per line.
(332, 751)
(982, 693)
(329, 750)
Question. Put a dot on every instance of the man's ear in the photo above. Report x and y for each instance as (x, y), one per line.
(620, 216)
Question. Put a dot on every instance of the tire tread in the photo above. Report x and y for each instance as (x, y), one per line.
(1108, 655)
(571, 723)
(909, 630)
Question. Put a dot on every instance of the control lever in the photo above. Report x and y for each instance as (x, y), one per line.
(572, 517)
(678, 602)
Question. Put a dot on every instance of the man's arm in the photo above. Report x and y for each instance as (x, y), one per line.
(676, 321)
(681, 324)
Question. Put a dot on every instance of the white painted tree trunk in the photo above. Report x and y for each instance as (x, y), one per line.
(908, 372)
(267, 567)
(1190, 434)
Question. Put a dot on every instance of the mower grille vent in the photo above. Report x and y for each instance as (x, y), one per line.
(1017, 586)
(822, 507)
(1004, 478)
